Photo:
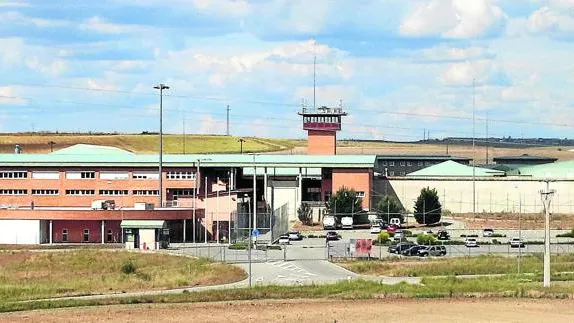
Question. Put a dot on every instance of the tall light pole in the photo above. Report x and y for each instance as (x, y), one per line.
(546, 196)
(254, 192)
(473, 154)
(250, 240)
(161, 87)
(195, 193)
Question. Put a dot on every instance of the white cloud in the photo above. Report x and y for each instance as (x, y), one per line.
(329, 95)
(9, 96)
(546, 19)
(454, 19)
(13, 17)
(14, 4)
(100, 25)
(11, 51)
(46, 65)
(462, 74)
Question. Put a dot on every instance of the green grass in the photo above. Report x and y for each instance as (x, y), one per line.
(458, 266)
(173, 144)
(32, 275)
(356, 289)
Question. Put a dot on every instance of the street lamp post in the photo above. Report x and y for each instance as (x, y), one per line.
(161, 87)
(195, 194)
(546, 196)
(249, 242)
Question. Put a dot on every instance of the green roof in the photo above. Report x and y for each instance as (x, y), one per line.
(454, 169)
(103, 157)
(142, 224)
(84, 149)
(563, 169)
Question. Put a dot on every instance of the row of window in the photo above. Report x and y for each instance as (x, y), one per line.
(321, 120)
(86, 235)
(406, 163)
(87, 192)
(92, 175)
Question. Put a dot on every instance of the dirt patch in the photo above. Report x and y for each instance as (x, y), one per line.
(464, 310)
(511, 221)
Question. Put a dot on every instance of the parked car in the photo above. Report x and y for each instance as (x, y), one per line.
(517, 242)
(470, 242)
(442, 235)
(398, 248)
(412, 251)
(332, 236)
(391, 228)
(376, 228)
(398, 235)
(295, 235)
(396, 222)
(487, 232)
(432, 251)
(284, 239)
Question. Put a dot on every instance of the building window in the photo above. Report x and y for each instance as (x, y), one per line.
(181, 192)
(180, 175)
(145, 175)
(409, 163)
(420, 163)
(146, 192)
(88, 174)
(427, 163)
(360, 194)
(402, 173)
(113, 192)
(392, 163)
(46, 175)
(384, 163)
(402, 163)
(392, 173)
(313, 190)
(14, 174)
(80, 192)
(45, 192)
(13, 192)
(114, 175)
(64, 235)
(86, 235)
(110, 236)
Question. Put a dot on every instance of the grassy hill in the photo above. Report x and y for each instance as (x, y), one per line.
(140, 143)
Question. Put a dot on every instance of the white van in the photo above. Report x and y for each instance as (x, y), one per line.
(396, 222)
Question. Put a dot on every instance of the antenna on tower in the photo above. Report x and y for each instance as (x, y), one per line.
(314, 77)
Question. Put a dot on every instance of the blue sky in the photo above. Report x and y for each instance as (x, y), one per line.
(400, 66)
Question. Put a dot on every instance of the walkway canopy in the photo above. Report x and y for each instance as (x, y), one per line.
(143, 224)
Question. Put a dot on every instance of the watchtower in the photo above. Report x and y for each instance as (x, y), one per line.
(322, 125)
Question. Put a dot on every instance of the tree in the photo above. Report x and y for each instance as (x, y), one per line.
(389, 207)
(344, 203)
(305, 215)
(427, 207)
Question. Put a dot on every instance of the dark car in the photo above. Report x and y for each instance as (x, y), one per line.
(332, 236)
(432, 251)
(442, 235)
(412, 251)
(398, 248)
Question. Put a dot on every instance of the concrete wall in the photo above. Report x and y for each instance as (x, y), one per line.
(321, 142)
(509, 194)
(357, 179)
(284, 192)
(20, 232)
(147, 239)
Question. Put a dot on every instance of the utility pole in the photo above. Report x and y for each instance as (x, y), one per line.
(546, 196)
(51, 143)
(486, 138)
(161, 87)
(241, 140)
(227, 131)
(473, 153)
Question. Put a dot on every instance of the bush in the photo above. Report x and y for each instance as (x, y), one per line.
(566, 235)
(425, 239)
(407, 233)
(239, 246)
(383, 237)
(164, 244)
(128, 267)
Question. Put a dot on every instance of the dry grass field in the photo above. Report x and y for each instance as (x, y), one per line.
(173, 144)
(33, 275)
(316, 311)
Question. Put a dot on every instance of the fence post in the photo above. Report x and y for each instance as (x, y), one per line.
(284, 252)
(224, 255)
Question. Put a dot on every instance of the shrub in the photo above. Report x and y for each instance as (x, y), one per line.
(164, 244)
(425, 239)
(128, 267)
(383, 237)
(566, 235)
(239, 246)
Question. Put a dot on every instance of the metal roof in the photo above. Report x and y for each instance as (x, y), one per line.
(272, 171)
(452, 168)
(113, 158)
(524, 157)
(421, 157)
(563, 169)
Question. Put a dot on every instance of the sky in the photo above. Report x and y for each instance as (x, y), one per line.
(400, 68)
